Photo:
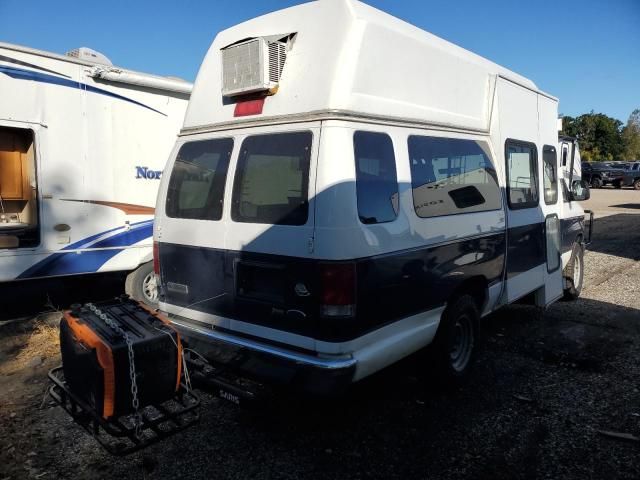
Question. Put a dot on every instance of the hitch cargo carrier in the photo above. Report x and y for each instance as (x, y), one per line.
(125, 375)
(121, 374)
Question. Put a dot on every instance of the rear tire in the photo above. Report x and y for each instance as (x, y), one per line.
(636, 184)
(453, 351)
(574, 273)
(142, 285)
(596, 182)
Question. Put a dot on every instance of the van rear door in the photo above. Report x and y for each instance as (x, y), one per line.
(243, 257)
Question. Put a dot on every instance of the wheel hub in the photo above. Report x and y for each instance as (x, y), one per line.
(150, 288)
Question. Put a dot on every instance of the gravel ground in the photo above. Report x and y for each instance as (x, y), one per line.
(545, 384)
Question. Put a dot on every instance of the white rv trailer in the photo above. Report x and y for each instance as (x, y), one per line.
(82, 149)
(348, 189)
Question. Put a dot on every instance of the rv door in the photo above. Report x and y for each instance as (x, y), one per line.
(19, 210)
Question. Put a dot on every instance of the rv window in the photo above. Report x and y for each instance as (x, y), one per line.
(272, 179)
(522, 174)
(196, 186)
(451, 176)
(376, 179)
(549, 175)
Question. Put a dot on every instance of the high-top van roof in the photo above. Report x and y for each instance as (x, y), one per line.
(347, 56)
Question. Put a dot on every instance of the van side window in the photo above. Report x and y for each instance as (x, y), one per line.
(272, 179)
(451, 176)
(196, 186)
(376, 178)
(549, 175)
(522, 174)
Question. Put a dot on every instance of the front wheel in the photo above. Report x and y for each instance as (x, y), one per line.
(636, 184)
(142, 285)
(453, 351)
(596, 182)
(574, 273)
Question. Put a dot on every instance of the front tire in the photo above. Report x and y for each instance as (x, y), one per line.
(636, 184)
(453, 351)
(142, 285)
(596, 182)
(574, 273)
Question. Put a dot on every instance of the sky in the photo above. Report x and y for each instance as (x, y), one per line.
(585, 52)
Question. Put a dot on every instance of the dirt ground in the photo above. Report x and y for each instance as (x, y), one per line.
(543, 388)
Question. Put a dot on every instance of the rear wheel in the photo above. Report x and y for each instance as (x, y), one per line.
(574, 273)
(142, 285)
(596, 182)
(636, 184)
(453, 351)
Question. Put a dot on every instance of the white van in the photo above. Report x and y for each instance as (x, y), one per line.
(348, 189)
(82, 148)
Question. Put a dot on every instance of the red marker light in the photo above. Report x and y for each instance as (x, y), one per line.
(156, 258)
(249, 107)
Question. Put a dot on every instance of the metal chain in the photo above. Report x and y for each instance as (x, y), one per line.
(132, 363)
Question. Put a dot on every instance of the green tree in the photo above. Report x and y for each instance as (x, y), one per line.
(631, 137)
(600, 136)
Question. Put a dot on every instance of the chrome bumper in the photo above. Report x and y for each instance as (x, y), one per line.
(268, 363)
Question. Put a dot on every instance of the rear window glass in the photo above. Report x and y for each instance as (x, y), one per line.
(196, 186)
(549, 175)
(272, 179)
(451, 176)
(376, 179)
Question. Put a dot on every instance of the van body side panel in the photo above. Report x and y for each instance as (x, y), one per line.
(526, 248)
(571, 228)
(261, 289)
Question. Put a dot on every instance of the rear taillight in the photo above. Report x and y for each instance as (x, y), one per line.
(156, 259)
(338, 289)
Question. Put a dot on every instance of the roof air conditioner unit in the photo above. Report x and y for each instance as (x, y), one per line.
(253, 65)
(89, 55)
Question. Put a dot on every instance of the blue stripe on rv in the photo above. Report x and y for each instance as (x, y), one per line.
(71, 262)
(22, 74)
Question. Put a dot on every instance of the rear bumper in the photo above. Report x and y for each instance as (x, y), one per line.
(268, 363)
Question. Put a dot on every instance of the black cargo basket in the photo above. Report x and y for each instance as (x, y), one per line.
(118, 435)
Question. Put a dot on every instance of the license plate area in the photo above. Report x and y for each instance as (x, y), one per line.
(263, 282)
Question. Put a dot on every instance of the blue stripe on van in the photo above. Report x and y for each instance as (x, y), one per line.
(70, 262)
(22, 74)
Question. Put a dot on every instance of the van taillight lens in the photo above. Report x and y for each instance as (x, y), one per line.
(338, 294)
(156, 259)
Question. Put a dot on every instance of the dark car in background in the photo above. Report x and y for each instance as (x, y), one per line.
(632, 175)
(599, 174)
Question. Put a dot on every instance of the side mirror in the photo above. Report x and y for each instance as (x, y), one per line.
(580, 191)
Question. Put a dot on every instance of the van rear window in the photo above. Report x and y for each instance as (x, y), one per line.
(272, 179)
(196, 186)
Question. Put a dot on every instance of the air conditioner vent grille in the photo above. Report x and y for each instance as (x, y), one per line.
(277, 57)
(242, 66)
(254, 65)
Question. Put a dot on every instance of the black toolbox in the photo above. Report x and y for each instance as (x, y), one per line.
(96, 357)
